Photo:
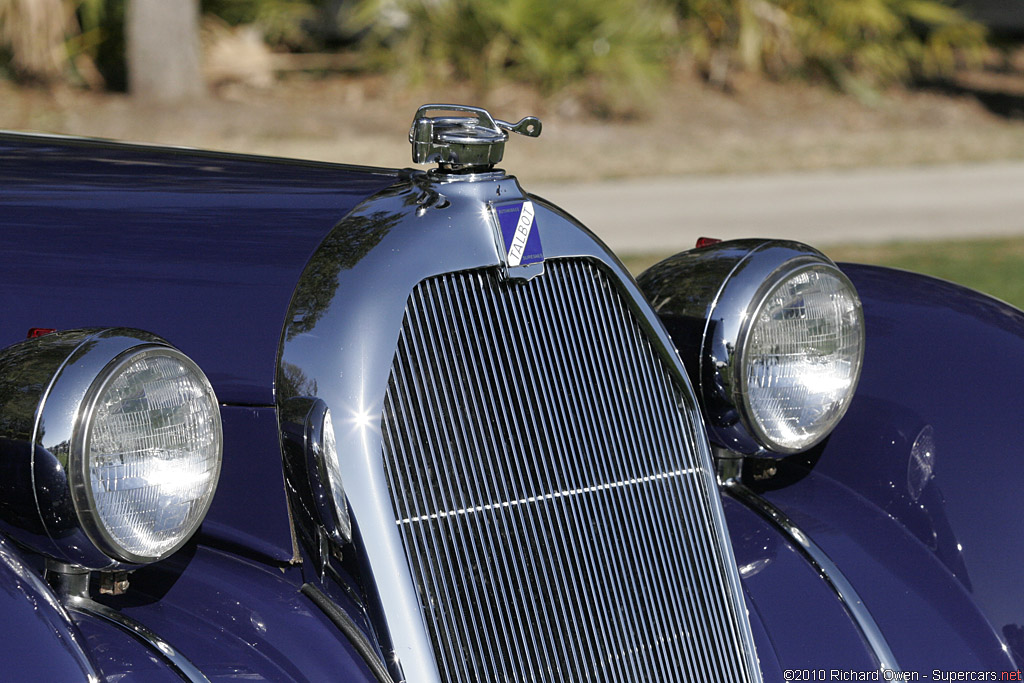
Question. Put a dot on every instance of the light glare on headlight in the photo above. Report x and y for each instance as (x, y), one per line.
(150, 455)
(801, 358)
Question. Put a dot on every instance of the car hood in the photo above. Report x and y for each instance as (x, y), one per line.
(202, 249)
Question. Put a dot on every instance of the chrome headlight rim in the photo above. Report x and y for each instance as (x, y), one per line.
(54, 377)
(82, 493)
(747, 272)
(786, 273)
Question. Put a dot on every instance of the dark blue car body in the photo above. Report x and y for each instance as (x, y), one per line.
(208, 250)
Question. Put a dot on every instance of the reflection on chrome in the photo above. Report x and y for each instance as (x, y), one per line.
(362, 419)
(755, 567)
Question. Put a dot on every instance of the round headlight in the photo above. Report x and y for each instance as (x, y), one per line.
(800, 357)
(112, 449)
(772, 335)
(147, 455)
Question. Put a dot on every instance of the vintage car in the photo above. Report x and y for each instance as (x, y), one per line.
(273, 419)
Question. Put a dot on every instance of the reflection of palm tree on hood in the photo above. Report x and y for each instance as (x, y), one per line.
(343, 248)
(346, 245)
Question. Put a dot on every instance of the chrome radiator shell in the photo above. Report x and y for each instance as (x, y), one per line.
(339, 344)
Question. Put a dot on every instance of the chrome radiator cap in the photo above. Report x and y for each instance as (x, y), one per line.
(475, 142)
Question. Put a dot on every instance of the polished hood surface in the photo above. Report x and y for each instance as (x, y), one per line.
(202, 249)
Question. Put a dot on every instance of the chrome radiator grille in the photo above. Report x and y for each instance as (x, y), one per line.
(554, 509)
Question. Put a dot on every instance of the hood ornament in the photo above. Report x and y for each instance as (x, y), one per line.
(463, 144)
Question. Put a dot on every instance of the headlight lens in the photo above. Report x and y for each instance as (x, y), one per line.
(149, 454)
(801, 358)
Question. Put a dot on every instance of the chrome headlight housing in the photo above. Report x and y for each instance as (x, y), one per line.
(772, 333)
(118, 437)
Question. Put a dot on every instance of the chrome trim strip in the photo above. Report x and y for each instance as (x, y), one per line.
(355, 635)
(826, 569)
(56, 616)
(179, 662)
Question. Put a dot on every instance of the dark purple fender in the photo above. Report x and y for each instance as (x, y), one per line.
(797, 621)
(231, 617)
(939, 574)
(205, 250)
(35, 632)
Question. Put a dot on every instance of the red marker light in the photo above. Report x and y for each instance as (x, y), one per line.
(706, 241)
(34, 332)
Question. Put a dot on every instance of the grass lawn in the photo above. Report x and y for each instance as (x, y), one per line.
(994, 266)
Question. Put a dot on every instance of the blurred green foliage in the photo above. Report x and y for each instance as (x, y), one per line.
(623, 44)
(856, 44)
(618, 49)
(284, 23)
(102, 39)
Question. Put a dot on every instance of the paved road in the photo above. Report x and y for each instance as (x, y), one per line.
(873, 205)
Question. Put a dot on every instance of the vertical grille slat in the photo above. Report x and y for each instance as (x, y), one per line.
(441, 618)
(592, 308)
(670, 611)
(471, 442)
(684, 492)
(453, 544)
(499, 474)
(556, 510)
(669, 496)
(571, 505)
(566, 325)
(556, 651)
(584, 318)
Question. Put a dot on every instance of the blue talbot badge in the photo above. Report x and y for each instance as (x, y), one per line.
(520, 239)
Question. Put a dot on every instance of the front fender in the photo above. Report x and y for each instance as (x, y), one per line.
(943, 364)
(38, 639)
(915, 496)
